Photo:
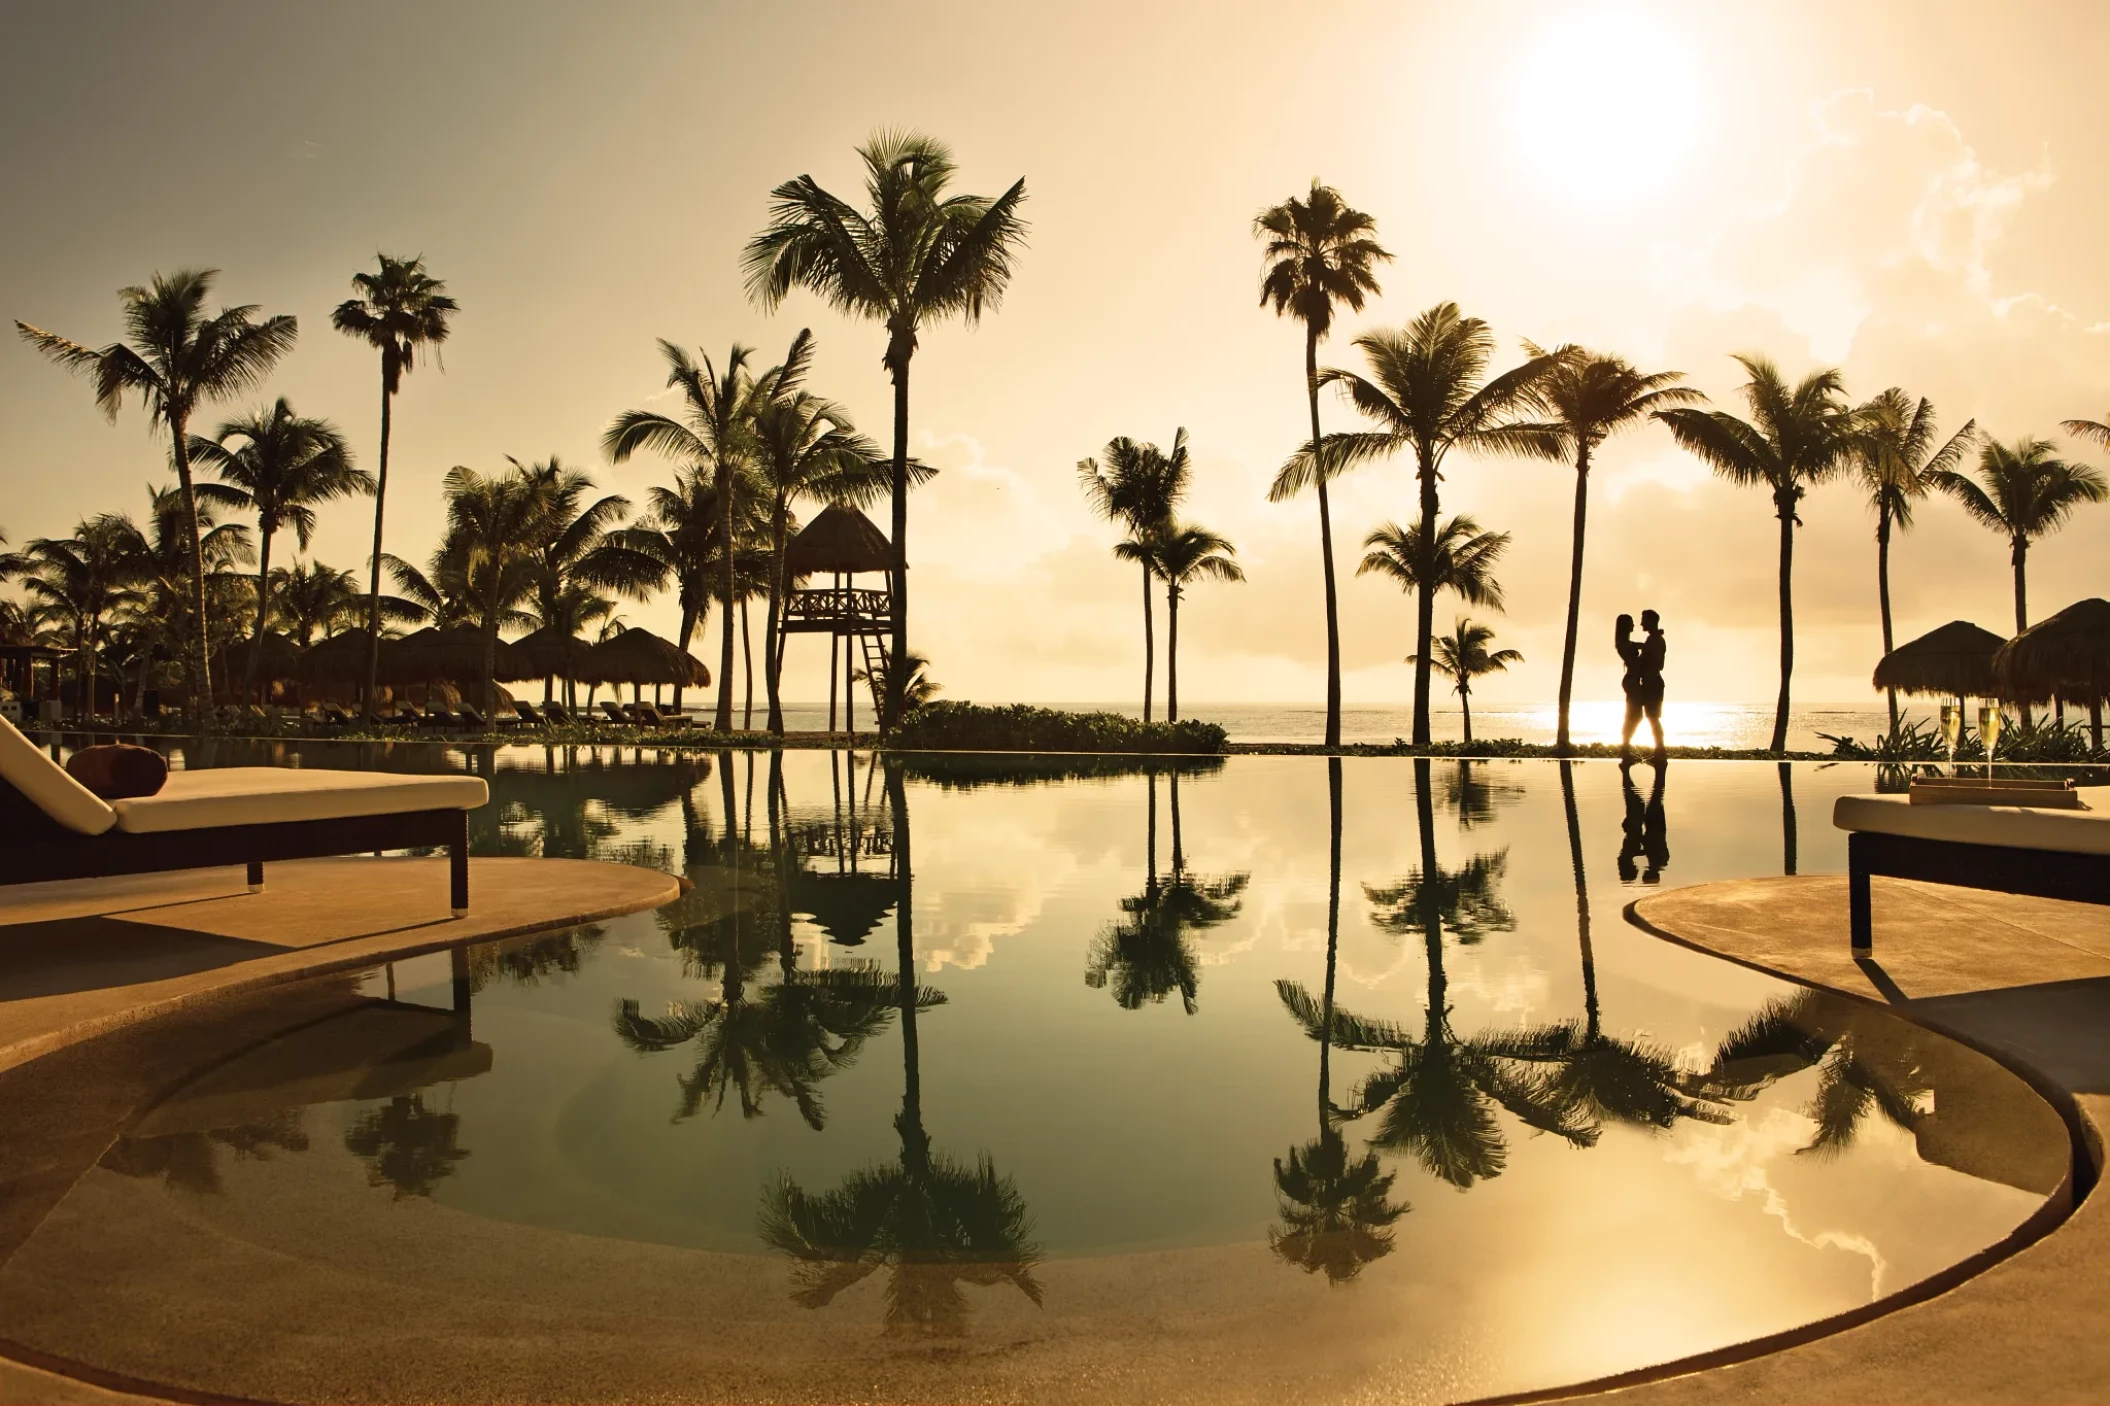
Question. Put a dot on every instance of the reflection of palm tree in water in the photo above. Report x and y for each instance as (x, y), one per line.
(1147, 955)
(190, 1160)
(1600, 1077)
(1335, 1215)
(1476, 795)
(1866, 1063)
(932, 1223)
(1438, 1097)
(407, 1145)
(786, 1037)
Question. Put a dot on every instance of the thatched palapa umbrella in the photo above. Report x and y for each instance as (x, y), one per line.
(553, 654)
(2066, 656)
(1954, 661)
(639, 657)
(280, 661)
(839, 541)
(341, 659)
(456, 655)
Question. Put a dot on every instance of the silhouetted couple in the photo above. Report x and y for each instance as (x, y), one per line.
(1643, 679)
(1644, 833)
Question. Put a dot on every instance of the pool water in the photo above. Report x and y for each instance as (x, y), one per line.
(1269, 1078)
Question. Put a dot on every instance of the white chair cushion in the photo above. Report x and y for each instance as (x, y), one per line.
(2010, 827)
(269, 795)
(48, 787)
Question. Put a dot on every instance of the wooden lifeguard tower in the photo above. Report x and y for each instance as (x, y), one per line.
(842, 544)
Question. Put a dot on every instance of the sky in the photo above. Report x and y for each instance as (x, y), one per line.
(1898, 190)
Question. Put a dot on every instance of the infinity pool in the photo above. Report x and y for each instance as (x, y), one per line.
(1270, 1079)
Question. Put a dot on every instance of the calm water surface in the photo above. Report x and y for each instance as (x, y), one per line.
(1273, 1078)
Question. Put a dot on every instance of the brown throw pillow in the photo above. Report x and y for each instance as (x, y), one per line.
(119, 771)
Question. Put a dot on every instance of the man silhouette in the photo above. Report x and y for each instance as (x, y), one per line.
(1643, 681)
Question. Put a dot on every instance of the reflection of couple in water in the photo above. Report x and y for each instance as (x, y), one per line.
(1643, 678)
(1644, 834)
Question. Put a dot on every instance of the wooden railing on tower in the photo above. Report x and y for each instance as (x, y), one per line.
(839, 610)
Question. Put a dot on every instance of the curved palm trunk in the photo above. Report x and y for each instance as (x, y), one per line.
(1149, 643)
(772, 681)
(688, 630)
(1465, 706)
(1883, 595)
(1582, 898)
(1333, 617)
(897, 679)
(1786, 511)
(1425, 602)
(263, 610)
(1172, 653)
(200, 663)
(1575, 578)
(747, 673)
(373, 594)
(2020, 556)
(723, 719)
(490, 679)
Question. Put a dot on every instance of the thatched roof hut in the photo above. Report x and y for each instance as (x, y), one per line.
(279, 659)
(2066, 655)
(641, 657)
(457, 656)
(1955, 661)
(552, 653)
(342, 658)
(839, 540)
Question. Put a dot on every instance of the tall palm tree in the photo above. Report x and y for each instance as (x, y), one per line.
(2023, 492)
(158, 620)
(1320, 253)
(582, 551)
(1463, 656)
(1798, 436)
(806, 449)
(1462, 558)
(1336, 1215)
(716, 428)
(1896, 463)
(917, 255)
(1429, 392)
(314, 599)
(495, 525)
(1591, 396)
(81, 579)
(177, 359)
(401, 311)
(1186, 553)
(1140, 487)
(681, 527)
(282, 465)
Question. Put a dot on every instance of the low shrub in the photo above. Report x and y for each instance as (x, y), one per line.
(951, 726)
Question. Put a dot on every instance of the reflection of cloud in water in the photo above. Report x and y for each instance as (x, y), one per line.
(959, 927)
(1515, 985)
(1736, 1160)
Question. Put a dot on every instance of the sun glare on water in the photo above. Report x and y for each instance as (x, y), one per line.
(1605, 106)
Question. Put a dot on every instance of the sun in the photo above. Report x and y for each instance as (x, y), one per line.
(1606, 104)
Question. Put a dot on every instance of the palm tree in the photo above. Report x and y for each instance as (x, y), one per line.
(1589, 398)
(1147, 956)
(917, 255)
(1865, 1064)
(805, 450)
(717, 429)
(582, 552)
(1463, 656)
(920, 689)
(495, 525)
(1335, 1215)
(281, 464)
(400, 310)
(1463, 555)
(1896, 462)
(80, 580)
(1428, 392)
(2023, 492)
(176, 359)
(407, 1145)
(1140, 488)
(1797, 437)
(2096, 432)
(314, 599)
(1319, 253)
(1186, 553)
(165, 565)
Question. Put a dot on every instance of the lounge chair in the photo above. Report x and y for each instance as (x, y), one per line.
(469, 718)
(228, 815)
(615, 711)
(556, 714)
(2045, 853)
(334, 716)
(525, 714)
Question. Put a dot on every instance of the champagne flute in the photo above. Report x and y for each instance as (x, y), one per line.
(1989, 733)
(1951, 729)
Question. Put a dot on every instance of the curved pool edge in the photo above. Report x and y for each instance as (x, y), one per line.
(1882, 1338)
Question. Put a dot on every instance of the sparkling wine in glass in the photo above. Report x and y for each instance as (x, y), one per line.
(1989, 733)
(1951, 728)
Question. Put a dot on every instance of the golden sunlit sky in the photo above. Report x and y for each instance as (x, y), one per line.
(1909, 191)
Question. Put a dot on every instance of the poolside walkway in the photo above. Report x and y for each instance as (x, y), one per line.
(2027, 978)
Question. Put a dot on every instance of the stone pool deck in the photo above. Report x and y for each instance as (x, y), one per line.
(2028, 979)
(79, 959)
